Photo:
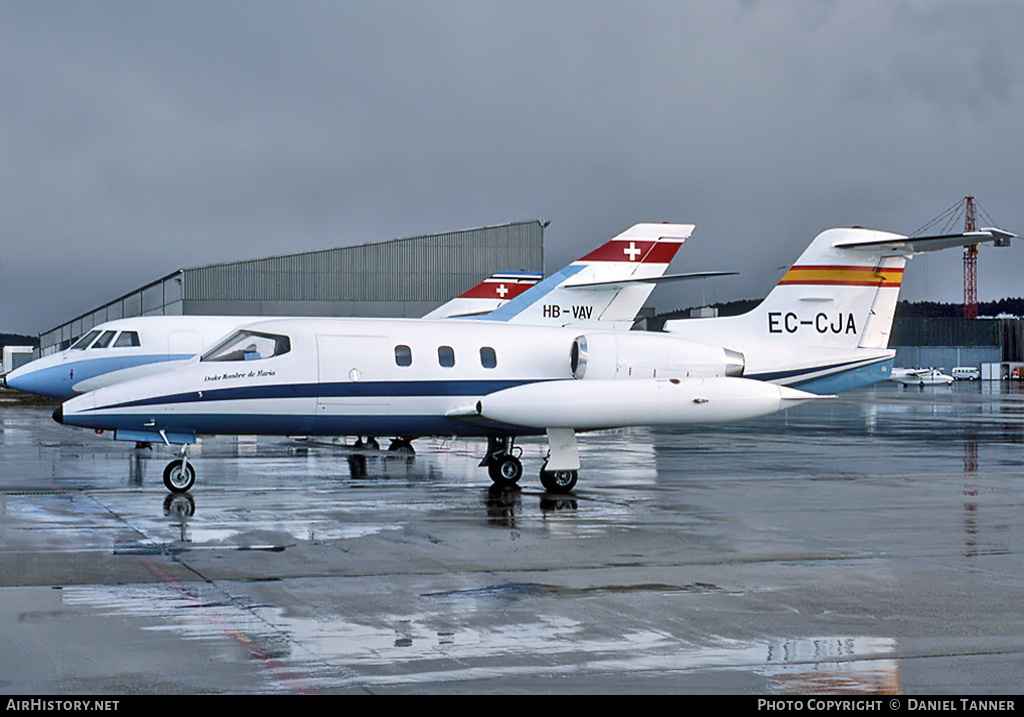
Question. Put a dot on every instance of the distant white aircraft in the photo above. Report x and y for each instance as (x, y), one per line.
(921, 377)
(824, 327)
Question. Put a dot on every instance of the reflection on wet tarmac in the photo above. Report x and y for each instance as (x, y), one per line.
(871, 544)
(440, 645)
(834, 665)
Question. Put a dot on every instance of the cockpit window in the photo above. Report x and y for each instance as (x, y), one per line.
(248, 346)
(103, 341)
(127, 339)
(85, 340)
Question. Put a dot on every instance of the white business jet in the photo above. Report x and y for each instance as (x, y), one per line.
(824, 326)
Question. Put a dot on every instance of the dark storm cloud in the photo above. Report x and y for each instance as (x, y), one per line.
(137, 138)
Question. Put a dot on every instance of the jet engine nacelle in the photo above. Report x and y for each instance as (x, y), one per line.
(640, 354)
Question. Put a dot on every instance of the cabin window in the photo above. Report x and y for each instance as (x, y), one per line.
(247, 345)
(103, 341)
(127, 339)
(446, 356)
(86, 340)
(403, 355)
(488, 359)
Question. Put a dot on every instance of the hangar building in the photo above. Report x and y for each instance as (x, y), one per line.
(398, 278)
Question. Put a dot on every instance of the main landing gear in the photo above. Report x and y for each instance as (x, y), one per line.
(505, 467)
(401, 445)
(558, 481)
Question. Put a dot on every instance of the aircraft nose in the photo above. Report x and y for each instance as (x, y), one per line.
(58, 414)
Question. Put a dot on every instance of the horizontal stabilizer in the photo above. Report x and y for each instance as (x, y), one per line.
(649, 280)
(915, 245)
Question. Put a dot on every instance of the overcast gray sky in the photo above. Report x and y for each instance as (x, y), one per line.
(140, 137)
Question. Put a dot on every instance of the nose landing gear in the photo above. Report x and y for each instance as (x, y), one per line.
(180, 475)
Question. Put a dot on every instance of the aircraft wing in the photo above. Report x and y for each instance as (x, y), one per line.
(649, 280)
(916, 245)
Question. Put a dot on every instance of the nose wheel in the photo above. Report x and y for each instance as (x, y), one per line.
(179, 476)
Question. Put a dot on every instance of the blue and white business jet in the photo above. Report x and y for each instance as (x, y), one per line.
(824, 328)
(125, 349)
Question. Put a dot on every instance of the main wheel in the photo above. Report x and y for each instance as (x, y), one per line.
(558, 481)
(402, 447)
(505, 471)
(178, 480)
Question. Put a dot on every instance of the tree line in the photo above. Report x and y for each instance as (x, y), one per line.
(935, 309)
(18, 340)
(904, 309)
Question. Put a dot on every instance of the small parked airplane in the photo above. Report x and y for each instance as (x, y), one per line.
(823, 328)
(921, 377)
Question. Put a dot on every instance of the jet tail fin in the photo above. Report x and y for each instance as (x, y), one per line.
(607, 287)
(488, 295)
(833, 310)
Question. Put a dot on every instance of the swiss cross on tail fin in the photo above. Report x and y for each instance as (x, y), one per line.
(633, 251)
(488, 295)
(618, 277)
(504, 286)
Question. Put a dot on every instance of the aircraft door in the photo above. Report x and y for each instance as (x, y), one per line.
(350, 400)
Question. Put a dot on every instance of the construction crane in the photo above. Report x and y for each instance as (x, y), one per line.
(970, 263)
(968, 208)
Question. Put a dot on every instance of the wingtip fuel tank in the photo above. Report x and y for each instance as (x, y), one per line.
(609, 403)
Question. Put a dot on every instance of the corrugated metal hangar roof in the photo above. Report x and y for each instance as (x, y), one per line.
(400, 277)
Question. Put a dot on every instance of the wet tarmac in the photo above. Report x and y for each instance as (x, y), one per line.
(870, 544)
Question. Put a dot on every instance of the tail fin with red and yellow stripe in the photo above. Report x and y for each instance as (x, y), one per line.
(840, 294)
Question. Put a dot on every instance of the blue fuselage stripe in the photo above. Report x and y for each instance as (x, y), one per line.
(57, 380)
(353, 389)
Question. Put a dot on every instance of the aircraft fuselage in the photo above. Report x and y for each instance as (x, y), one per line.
(402, 377)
